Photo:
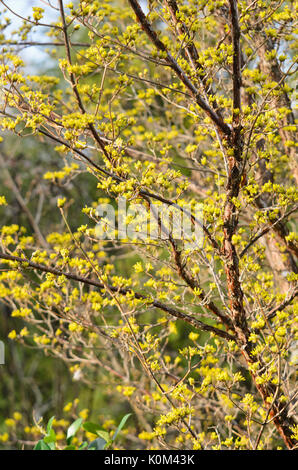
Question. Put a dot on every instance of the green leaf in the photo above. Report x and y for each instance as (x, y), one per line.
(95, 429)
(104, 435)
(50, 424)
(50, 437)
(97, 444)
(83, 445)
(91, 427)
(51, 445)
(108, 444)
(123, 421)
(41, 445)
(73, 429)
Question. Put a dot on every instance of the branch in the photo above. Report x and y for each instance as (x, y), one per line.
(35, 23)
(147, 28)
(10, 183)
(73, 81)
(235, 168)
(123, 291)
(191, 52)
(141, 192)
(283, 305)
(193, 284)
(266, 230)
(36, 43)
(236, 59)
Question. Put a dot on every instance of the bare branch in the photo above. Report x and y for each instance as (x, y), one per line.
(236, 58)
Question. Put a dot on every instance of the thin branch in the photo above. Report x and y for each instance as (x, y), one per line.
(266, 230)
(190, 281)
(73, 81)
(283, 305)
(141, 192)
(36, 43)
(191, 52)
(236, 58)
(152, 35)
(123, 291)
(11, 183)
(35, 23)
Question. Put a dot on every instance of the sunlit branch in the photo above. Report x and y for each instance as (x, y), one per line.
(147, 27)
(122, 291)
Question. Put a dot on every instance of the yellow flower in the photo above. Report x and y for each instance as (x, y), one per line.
(22, 312)
(126, 390)
(146, 436)
(4, 437)
(138, 267)
(3, 201)
(24, 332)
(10, 422)
(173, 328)
(84, 413)
(193, 336)
(61, 201)
(74, 327)
(67, 407)
(17, 416)
(41, 339)
(90, 436)
(12, 334)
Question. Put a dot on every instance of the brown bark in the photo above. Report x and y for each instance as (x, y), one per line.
(278, 411)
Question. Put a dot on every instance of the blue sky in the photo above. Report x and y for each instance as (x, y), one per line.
(31, 55)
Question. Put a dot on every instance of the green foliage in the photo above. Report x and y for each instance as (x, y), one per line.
(102, 442)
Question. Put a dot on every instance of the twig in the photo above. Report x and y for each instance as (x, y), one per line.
(123, 291)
